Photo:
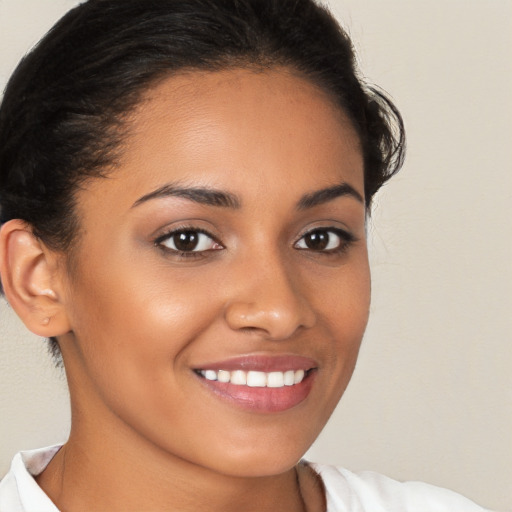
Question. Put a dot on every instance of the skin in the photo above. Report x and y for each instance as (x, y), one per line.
(146, 433)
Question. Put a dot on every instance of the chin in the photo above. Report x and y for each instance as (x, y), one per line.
(260, 467)
(267, 457)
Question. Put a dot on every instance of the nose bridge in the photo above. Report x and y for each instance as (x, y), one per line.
(268, 297)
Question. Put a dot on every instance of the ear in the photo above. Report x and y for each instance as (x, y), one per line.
(30, 274)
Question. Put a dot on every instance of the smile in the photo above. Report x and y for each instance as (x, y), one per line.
(261, 383)
(256, 379)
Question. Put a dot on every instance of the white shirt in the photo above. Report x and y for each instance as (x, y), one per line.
(345, 491)
(372, 492)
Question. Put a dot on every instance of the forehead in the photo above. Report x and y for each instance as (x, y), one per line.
(244, 129)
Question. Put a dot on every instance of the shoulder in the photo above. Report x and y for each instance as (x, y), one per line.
(18, 489)
(364, 491)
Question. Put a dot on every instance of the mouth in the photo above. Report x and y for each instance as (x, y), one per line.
(260, 384)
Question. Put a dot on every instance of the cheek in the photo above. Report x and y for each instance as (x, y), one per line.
(342, 297)
(138, 318)
(343, 311)
(132, 337)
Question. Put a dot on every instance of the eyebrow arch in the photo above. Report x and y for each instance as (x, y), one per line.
(201, 195)
(328, 194)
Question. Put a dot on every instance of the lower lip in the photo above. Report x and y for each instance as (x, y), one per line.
(262, 400)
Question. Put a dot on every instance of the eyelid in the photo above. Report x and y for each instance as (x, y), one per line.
(346, 238)
(170, 232)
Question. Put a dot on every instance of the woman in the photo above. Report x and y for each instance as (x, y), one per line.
(184, 190)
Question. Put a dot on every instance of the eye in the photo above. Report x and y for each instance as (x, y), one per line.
(325, 240)
(188, 241)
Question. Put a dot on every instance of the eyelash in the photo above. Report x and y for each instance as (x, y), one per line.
(346, 239)
(159, 242)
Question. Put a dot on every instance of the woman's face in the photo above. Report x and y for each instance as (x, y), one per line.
(227, 247)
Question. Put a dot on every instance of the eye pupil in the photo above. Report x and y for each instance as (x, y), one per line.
(186, 240)
(317, 240)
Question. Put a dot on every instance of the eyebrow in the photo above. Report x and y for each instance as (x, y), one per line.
(201, 195)
(328, 194)
(219, 198)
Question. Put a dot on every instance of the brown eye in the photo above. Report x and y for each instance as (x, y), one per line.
(188, 240)
(317, 240)
(325, 240)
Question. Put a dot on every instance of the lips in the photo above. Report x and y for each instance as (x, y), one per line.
(260, 383)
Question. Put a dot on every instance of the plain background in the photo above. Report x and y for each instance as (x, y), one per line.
(431, 398)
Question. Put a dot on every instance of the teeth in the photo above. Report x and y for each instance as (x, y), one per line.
(255, 379)
(239, 378)
(275, 380)
(209, 375)
(289, 378)
(223, 376)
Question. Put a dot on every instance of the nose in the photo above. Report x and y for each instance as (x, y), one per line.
(268, 299)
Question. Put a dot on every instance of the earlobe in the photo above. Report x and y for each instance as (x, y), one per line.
(30, 280)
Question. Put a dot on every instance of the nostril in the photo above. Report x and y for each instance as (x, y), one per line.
(275, 323)
(250, 329)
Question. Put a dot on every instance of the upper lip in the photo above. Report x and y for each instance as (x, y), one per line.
(261, 363)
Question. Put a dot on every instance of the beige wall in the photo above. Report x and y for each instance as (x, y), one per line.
(431, 398)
